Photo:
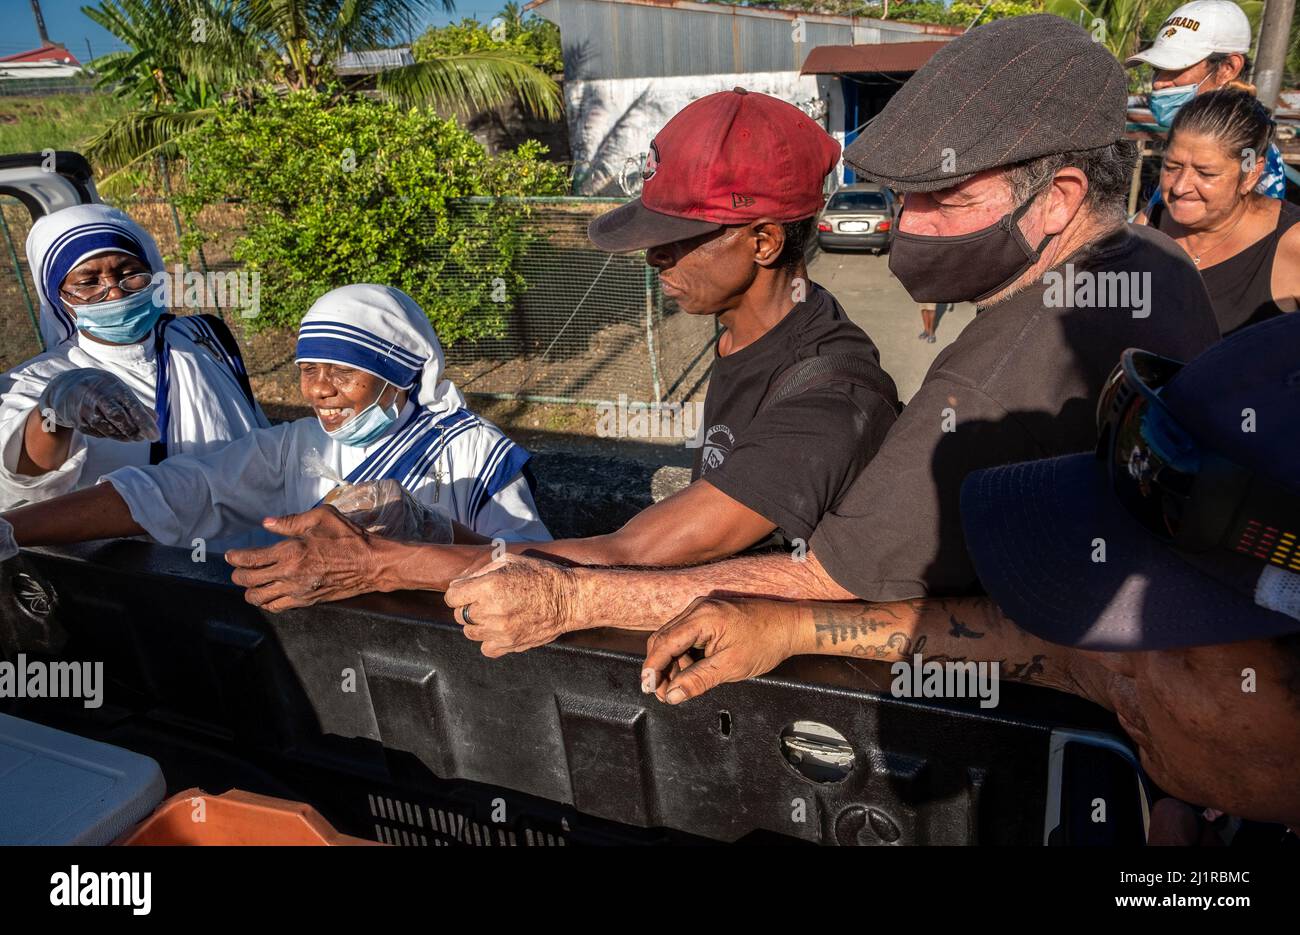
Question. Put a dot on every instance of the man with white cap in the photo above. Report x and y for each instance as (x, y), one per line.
(1202, 46)
(1211, 33)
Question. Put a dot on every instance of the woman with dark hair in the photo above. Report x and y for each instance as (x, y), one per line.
(1245, 244)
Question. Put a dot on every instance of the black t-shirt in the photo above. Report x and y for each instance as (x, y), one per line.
(793, 461)
(1020, 383)
(1241, 287)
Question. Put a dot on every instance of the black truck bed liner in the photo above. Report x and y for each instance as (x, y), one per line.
(437, 744)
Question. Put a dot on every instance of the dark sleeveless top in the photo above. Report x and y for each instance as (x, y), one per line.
(1241, 287)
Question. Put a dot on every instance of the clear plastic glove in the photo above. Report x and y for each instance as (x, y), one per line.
(8, 546)
(385, 508)
(94, 402)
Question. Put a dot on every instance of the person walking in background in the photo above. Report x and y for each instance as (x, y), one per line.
(1246, 245)
(930, 315)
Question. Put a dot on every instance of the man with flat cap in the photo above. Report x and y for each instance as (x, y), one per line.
(1008, 145)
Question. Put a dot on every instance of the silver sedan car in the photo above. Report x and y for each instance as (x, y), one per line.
(858, 216)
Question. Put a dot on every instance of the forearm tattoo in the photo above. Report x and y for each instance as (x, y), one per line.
(879, 632)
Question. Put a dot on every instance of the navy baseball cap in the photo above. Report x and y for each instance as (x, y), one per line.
(1064, 557)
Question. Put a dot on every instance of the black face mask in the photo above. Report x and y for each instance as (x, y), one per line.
(967, 268)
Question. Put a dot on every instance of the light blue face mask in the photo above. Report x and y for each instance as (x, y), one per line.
(1167, 102)
(366, 425)
(121, 321)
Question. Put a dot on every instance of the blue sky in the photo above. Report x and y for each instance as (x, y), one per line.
(65, 23)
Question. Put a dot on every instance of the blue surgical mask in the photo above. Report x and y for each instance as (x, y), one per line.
(1167, 102)
(121, 321)
(366, 425)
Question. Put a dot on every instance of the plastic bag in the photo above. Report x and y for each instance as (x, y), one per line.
(383, 507)
(314, 465)
(96, 403)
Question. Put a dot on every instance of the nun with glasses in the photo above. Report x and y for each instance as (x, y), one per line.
(122, 382)
(391, 445)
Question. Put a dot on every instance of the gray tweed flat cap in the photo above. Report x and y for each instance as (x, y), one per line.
(1011, 90)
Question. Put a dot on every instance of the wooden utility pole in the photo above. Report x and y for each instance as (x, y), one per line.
(1274, 37)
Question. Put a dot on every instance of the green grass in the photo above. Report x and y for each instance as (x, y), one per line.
(58, 121)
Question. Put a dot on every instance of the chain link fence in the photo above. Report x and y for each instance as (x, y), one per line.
(587, 325)
(584, 327)
(41, 87)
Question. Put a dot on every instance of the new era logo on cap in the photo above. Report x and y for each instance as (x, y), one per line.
(651, 163)
(727, 158)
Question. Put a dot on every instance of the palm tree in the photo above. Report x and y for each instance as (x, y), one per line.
(475, 81)
(150, 73)
(185, 54)
(1121, 20)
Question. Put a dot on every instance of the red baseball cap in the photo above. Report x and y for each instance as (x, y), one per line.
(728, 158)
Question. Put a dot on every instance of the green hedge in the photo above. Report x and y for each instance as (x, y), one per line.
(353, 190)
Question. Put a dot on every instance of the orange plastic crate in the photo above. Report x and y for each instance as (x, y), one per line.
(235, 818)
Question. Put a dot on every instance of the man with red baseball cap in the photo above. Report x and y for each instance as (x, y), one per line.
(797, 402)
(726, 160)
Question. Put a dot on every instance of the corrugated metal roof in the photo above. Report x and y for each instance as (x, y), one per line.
(370, 61)
(663, 38)
(882, 57)
(535, 6)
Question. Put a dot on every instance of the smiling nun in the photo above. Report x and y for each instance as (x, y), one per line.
(386, 420)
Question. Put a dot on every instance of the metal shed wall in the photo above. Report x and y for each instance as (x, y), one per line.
(642, 39)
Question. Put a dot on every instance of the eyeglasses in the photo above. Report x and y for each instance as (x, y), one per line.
(95, 292)
(1184, 494)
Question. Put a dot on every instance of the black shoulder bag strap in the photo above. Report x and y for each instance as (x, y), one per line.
(231, 347)
(161, 389)
(158, 449)
(846, 368)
